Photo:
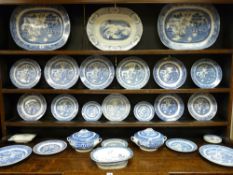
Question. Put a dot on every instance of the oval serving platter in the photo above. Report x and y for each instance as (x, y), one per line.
(188, 26)
(13, 154)
(114, 142)
(40, 27)
(181, 145)
(114, 28)
(91, 111)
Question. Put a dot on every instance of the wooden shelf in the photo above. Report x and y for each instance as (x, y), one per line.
(129, 52)
(108, 124)
(111, 91)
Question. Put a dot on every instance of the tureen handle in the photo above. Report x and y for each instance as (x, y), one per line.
(68, 139)
(98, 141)
(164, 138)
(133, 139)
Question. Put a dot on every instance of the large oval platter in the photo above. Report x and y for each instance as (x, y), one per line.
(40, 27)
(114, 29)
(188, 26)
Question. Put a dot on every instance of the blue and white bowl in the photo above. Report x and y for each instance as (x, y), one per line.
(148, 139)
(84, 140)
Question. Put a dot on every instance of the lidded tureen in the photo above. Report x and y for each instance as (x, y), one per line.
(148, 139)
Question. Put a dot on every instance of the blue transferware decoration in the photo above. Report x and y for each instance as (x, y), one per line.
(25, 73)
(114, 142)
(206, 73)
(169, 107)
(181, 145)
(202, 106)
(169, 73)
(97, 72)
(91, 111)
(64, 107)
(148, 139)
(31, 107)
(49, 147)
(116, 107)
(13, 154)
(61, 72)
(84, 140)
(188, 26)
(144, 111)
(217, 154)
(40, 27)
(114, 29)
(133, 73)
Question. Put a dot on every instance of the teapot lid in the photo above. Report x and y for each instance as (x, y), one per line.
(84, 134)
(149, 133)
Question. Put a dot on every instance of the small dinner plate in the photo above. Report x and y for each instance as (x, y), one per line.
(181, 145)
(91, 111)
(144, 111)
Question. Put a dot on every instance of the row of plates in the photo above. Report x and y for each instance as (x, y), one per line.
(98, 72)
(116, 107)
(179, 26)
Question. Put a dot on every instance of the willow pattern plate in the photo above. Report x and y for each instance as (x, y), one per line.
(61, 72)
(91, 111)
(114, 29)
(13, 154)
(97, 72)
(169, 107)
(40, 27)
(49, 147)
(188, 26)
(202, 106)
(64, 107)
(217, 154)
(25, 73)
(31, 107)
(181, 145)
(133, 73)
(169, 73)
(144, 111)
(206, 73)
(116, 107)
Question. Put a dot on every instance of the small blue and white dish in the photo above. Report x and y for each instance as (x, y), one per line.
(206, 73)
(188, 26)
(13, 154)
(148, 139)
(144, 111)
(40, 27)
(181, 145)
(169, 73)
(217, 154)
(114, 142)
(169, 107)
(49, 147)
(202, 106)
(64, 107)
(114, 28)
(133, 73)
(91, 111)
(97, 72)
(61, 72)
(25, 73)
(31, 107)
(84, 140)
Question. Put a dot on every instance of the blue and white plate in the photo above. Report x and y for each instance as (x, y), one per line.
(206, 73)
(91, 111)
(133, 73)
(188, 26)
(116, 107)
(181, 145)
(61, 72)
(202, 106)
(64, 107)
(114, 29)
(40, 27)
(218, 154)
(25, 73)
(49, 147)
(31, 107)
(144, 111)
(97, 72)
(169, 107)
(170, 73)
(114, 142)
(10, 155)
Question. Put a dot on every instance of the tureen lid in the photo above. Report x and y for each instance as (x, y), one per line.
(149, 133)
(84, 134)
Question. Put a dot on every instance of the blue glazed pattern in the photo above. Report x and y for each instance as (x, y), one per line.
(181, 145)
(91, 111)
(40, 27)
(144, 111)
